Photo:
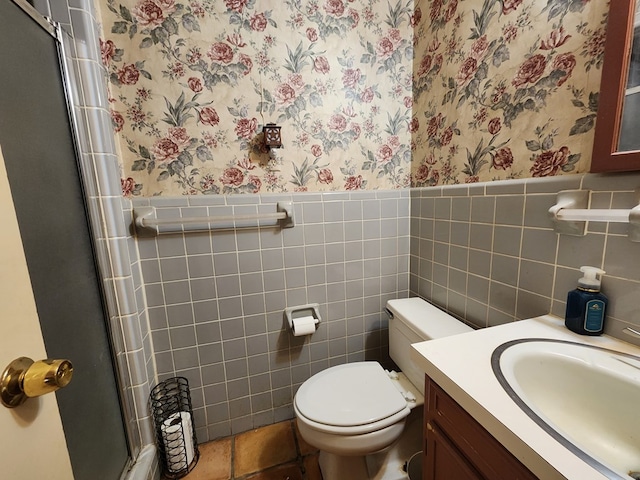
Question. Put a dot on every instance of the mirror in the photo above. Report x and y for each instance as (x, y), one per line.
(617, 139)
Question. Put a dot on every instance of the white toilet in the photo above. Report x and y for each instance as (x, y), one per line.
(353, 410)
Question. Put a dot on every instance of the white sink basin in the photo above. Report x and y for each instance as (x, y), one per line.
(587, 398)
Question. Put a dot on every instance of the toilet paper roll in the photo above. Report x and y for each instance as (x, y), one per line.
(304, 326)
(177, 436)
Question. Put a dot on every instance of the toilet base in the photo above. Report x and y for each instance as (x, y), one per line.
(336, 467)
(384, 465)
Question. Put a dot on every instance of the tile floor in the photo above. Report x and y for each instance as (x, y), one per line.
(274, 452)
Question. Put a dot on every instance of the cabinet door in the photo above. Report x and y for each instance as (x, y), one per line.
(476, 449)
(444, 460)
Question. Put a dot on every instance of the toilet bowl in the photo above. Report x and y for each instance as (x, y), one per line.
(356, 409)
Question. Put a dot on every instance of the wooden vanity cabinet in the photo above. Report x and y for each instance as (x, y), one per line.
(457, 447)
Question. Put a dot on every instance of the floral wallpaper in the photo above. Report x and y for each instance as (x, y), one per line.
(369, 94)
(504, 89)
(193, 82)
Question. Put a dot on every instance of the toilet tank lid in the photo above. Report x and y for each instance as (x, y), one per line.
(427, 320)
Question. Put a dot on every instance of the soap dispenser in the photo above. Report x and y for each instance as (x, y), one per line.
(586, 305)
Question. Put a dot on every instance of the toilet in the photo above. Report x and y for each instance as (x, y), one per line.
(353, 410)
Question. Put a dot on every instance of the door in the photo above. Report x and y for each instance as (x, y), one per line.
(32, 443)
(40, 161)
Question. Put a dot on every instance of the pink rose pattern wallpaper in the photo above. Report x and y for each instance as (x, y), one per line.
(370, 94)
(504, 89)
(193, 82)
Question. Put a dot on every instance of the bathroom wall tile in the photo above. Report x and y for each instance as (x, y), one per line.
(536, 212)
(509, 210)
(460, 233)
(176, 292)
(578, 251)
(249, 262)
(223, 241)
(178, 315)
(313, 234)
(539, 245)
(441, 253)
(442, 231)
(312, 213)
(164, 362)
(333, 232)
(230, 307)
(481, 236)
(497, 317)
(553, 184)
(612, 182)
(203, 311)
(618, 252)
(253, 304)
(371, 229)
(294, 257)
(272, 259)
(536, 277)
(151, 270)
(531, 305)
(186, 358)
(461, 209)
(208, 332)
(161, 342)
(503, 298)
(426, 229)
(293, 236)
(504, 269)
(251, 283)
(228, 286)
(332, 211)
(442, 208)
(459, 257)
(182, 337)
(476, 313)
(458, 281)
(506, 187)
(506, 240)
(483, 209)
(478, 288)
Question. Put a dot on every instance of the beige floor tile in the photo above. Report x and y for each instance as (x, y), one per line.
(312, 468)
(290, 471)
(264, 448)
(215, 461)
(305, 448)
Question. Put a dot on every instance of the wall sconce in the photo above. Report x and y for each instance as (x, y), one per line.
(272, 137)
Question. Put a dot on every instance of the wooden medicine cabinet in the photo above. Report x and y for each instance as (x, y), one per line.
(617, 138)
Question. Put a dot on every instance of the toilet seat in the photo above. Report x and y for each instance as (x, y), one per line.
(350, 399)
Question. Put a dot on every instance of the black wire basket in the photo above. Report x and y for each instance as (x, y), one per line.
(175, 428)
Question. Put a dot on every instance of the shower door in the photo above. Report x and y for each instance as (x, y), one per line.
(40, 159)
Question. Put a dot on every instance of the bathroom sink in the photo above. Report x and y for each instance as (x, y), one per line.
(586, 397)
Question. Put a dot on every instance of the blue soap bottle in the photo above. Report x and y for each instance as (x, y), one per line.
(586, 305)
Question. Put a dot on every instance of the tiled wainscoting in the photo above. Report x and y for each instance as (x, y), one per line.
(488, 253)
(216, 299)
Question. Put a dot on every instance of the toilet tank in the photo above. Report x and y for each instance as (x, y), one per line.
(415, 320)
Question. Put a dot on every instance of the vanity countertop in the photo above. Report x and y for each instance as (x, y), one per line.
(461, 365)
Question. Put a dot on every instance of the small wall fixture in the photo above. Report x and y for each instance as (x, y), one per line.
(571, 213)
(272, 136)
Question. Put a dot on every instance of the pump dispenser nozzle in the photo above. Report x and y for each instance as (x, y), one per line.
(591, 279)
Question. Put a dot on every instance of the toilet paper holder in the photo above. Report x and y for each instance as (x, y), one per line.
(312, 309)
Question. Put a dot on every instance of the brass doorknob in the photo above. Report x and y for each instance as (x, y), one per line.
(24, 378)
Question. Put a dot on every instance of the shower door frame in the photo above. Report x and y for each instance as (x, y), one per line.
(106, 218)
